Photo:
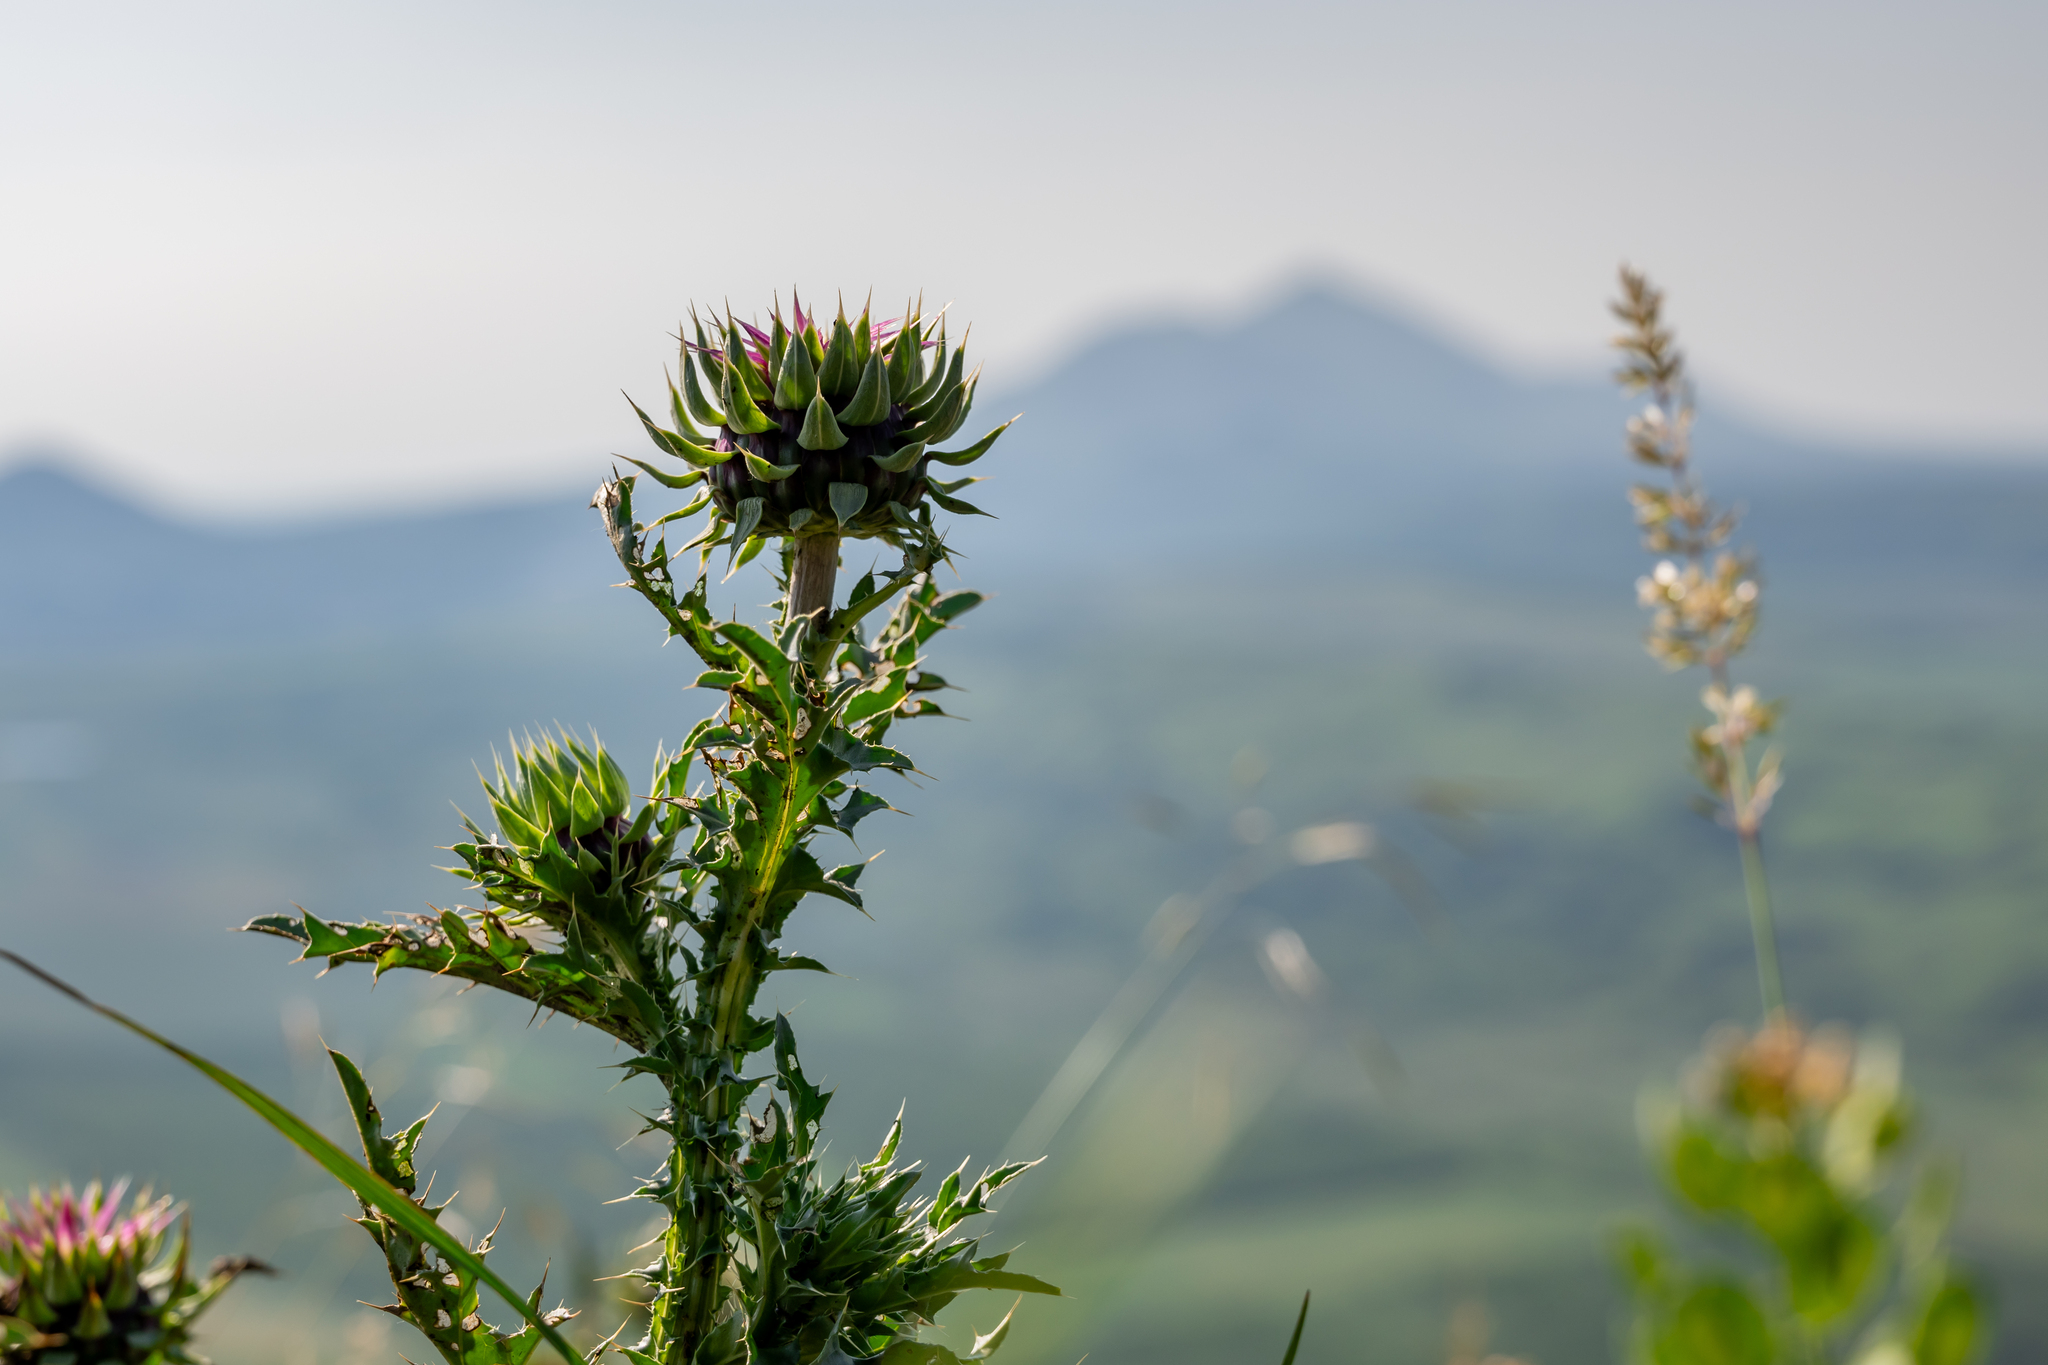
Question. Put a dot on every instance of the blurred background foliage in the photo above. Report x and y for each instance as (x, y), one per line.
(1405, 604)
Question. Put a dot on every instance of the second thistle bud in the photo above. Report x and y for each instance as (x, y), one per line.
(566, 847)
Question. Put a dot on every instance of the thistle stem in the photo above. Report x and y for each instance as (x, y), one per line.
(697, 1253)
(812, 577)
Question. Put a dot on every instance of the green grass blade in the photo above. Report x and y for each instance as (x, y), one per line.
(360, 1179)
(1294, 1343)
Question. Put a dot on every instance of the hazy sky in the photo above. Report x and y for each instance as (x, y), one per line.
(302, 256)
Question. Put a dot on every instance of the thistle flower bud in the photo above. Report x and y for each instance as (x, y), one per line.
(820, 430)
(568, 855)
(81, 1282)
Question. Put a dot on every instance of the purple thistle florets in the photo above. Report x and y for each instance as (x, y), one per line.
(90, 1230)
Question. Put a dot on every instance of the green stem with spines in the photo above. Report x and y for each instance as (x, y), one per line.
(694, 1262)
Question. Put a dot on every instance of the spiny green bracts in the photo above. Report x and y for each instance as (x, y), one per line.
(82, 1283)
(819, 430)
(570, 858)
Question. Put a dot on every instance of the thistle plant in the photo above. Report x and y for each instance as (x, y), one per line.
(657, 918)
(83, 1281)
(1788, 1136)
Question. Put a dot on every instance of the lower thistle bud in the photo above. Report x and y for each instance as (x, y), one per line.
(83, 1283)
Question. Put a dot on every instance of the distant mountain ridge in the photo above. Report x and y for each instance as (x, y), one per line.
(1323, 432)
(83, 569)
(1331, 370)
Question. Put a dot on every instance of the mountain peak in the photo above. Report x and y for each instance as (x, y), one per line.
(44, 496)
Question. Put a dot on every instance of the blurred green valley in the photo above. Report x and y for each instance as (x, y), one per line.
(1410, 610)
